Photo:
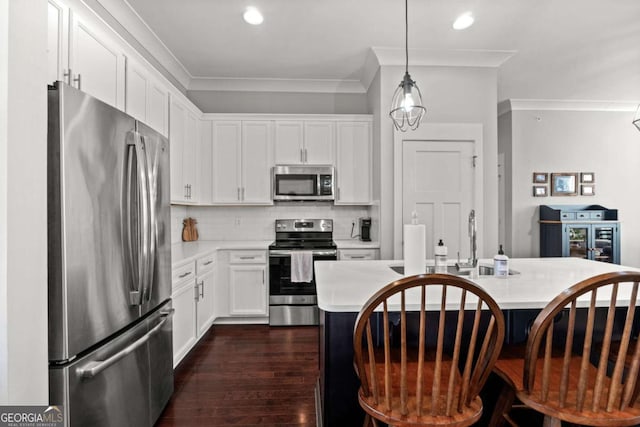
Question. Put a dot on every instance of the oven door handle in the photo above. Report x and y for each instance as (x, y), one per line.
(286, 253)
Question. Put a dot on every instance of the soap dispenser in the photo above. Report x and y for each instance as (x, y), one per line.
(440, 255)
(501, 264)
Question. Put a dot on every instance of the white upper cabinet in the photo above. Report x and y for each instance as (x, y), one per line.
(319, 142)
(83, 56)
(289, 136)
(96, 63)
(304, 142)
(257, 160)
(353, 163)
(146, 99)
(242, 161)
(57, 41)
(137, 87)
(204, 159)
(227, 152)
(183, 140)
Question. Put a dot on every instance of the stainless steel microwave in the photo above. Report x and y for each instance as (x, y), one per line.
(303, 182)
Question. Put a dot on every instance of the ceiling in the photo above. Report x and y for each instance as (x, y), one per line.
(567, 49)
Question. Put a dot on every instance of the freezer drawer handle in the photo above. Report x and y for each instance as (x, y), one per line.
(93, 368)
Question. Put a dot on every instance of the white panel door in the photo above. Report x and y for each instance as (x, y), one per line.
(189, 151)
(319, 142)
(257, 161)
(204, 159)
(353, 163)
(97, 64)
(204, 285)
(437, 183)
(136, 98)
(289, 136)
(57, 41)
(227, 142)
(184, 321)
(158, 107)
(247, 290)
(176, 142)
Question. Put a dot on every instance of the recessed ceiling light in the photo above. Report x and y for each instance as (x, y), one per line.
(463, 21)
(253, 16)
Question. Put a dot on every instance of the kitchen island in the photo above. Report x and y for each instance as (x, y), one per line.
(344, 286)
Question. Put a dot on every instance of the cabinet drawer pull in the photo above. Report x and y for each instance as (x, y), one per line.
(184, 275)
(208, 262)
(247, 257)
(358, 256)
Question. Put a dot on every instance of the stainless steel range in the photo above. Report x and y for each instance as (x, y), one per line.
(292, 288)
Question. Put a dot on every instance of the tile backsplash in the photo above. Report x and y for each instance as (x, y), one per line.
(257, 222)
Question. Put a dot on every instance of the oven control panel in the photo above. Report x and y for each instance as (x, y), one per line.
(304, 225)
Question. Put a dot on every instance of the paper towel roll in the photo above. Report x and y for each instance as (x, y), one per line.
(414, 249)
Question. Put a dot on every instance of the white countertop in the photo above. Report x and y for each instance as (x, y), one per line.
(356, 244)
(344, 286)
(182, 252)
(188, 251)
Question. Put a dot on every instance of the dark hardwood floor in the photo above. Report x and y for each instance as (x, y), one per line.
(252, 375)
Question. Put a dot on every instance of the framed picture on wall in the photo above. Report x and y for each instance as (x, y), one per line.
(539, 190)
(564, 184)
(587, 177)
(588, 190)
(540, 177)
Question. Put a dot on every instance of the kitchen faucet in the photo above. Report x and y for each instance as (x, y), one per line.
(472, 262)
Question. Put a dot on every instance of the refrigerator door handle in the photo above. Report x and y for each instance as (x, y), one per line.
(93, 368)
(138, 234)
(151, 172)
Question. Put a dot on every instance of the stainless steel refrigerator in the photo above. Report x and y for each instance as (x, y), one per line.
(110, 348)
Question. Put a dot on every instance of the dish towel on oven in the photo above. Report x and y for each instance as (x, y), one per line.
(301, 266)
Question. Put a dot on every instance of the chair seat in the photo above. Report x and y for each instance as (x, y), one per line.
(460, 416)
(468, 415)
(510, 369)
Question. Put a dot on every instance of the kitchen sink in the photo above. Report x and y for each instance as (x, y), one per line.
(483, 270)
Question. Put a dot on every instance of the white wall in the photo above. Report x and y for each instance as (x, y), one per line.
(278, 102)
(505, 148)
(602, 142)
(23, 203)
(451, 95)
(4, 163)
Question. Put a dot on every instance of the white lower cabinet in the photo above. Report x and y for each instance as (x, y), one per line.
(193, 301)
(358, 254)
(184, 331)
(247, 290)
(242, 287)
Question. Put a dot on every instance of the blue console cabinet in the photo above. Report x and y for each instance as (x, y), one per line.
(583, 231)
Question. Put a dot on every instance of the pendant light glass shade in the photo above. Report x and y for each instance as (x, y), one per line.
(406, 105)
(636, 118)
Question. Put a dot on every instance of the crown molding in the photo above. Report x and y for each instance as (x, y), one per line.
(277, 85)
(443, 57)
(565, 105)
(133, 26)
(386, 56)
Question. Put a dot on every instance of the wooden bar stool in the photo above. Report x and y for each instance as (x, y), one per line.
(568, 376)
(424, 347)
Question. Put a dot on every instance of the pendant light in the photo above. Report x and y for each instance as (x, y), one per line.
(406, 105)
(636, 118)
